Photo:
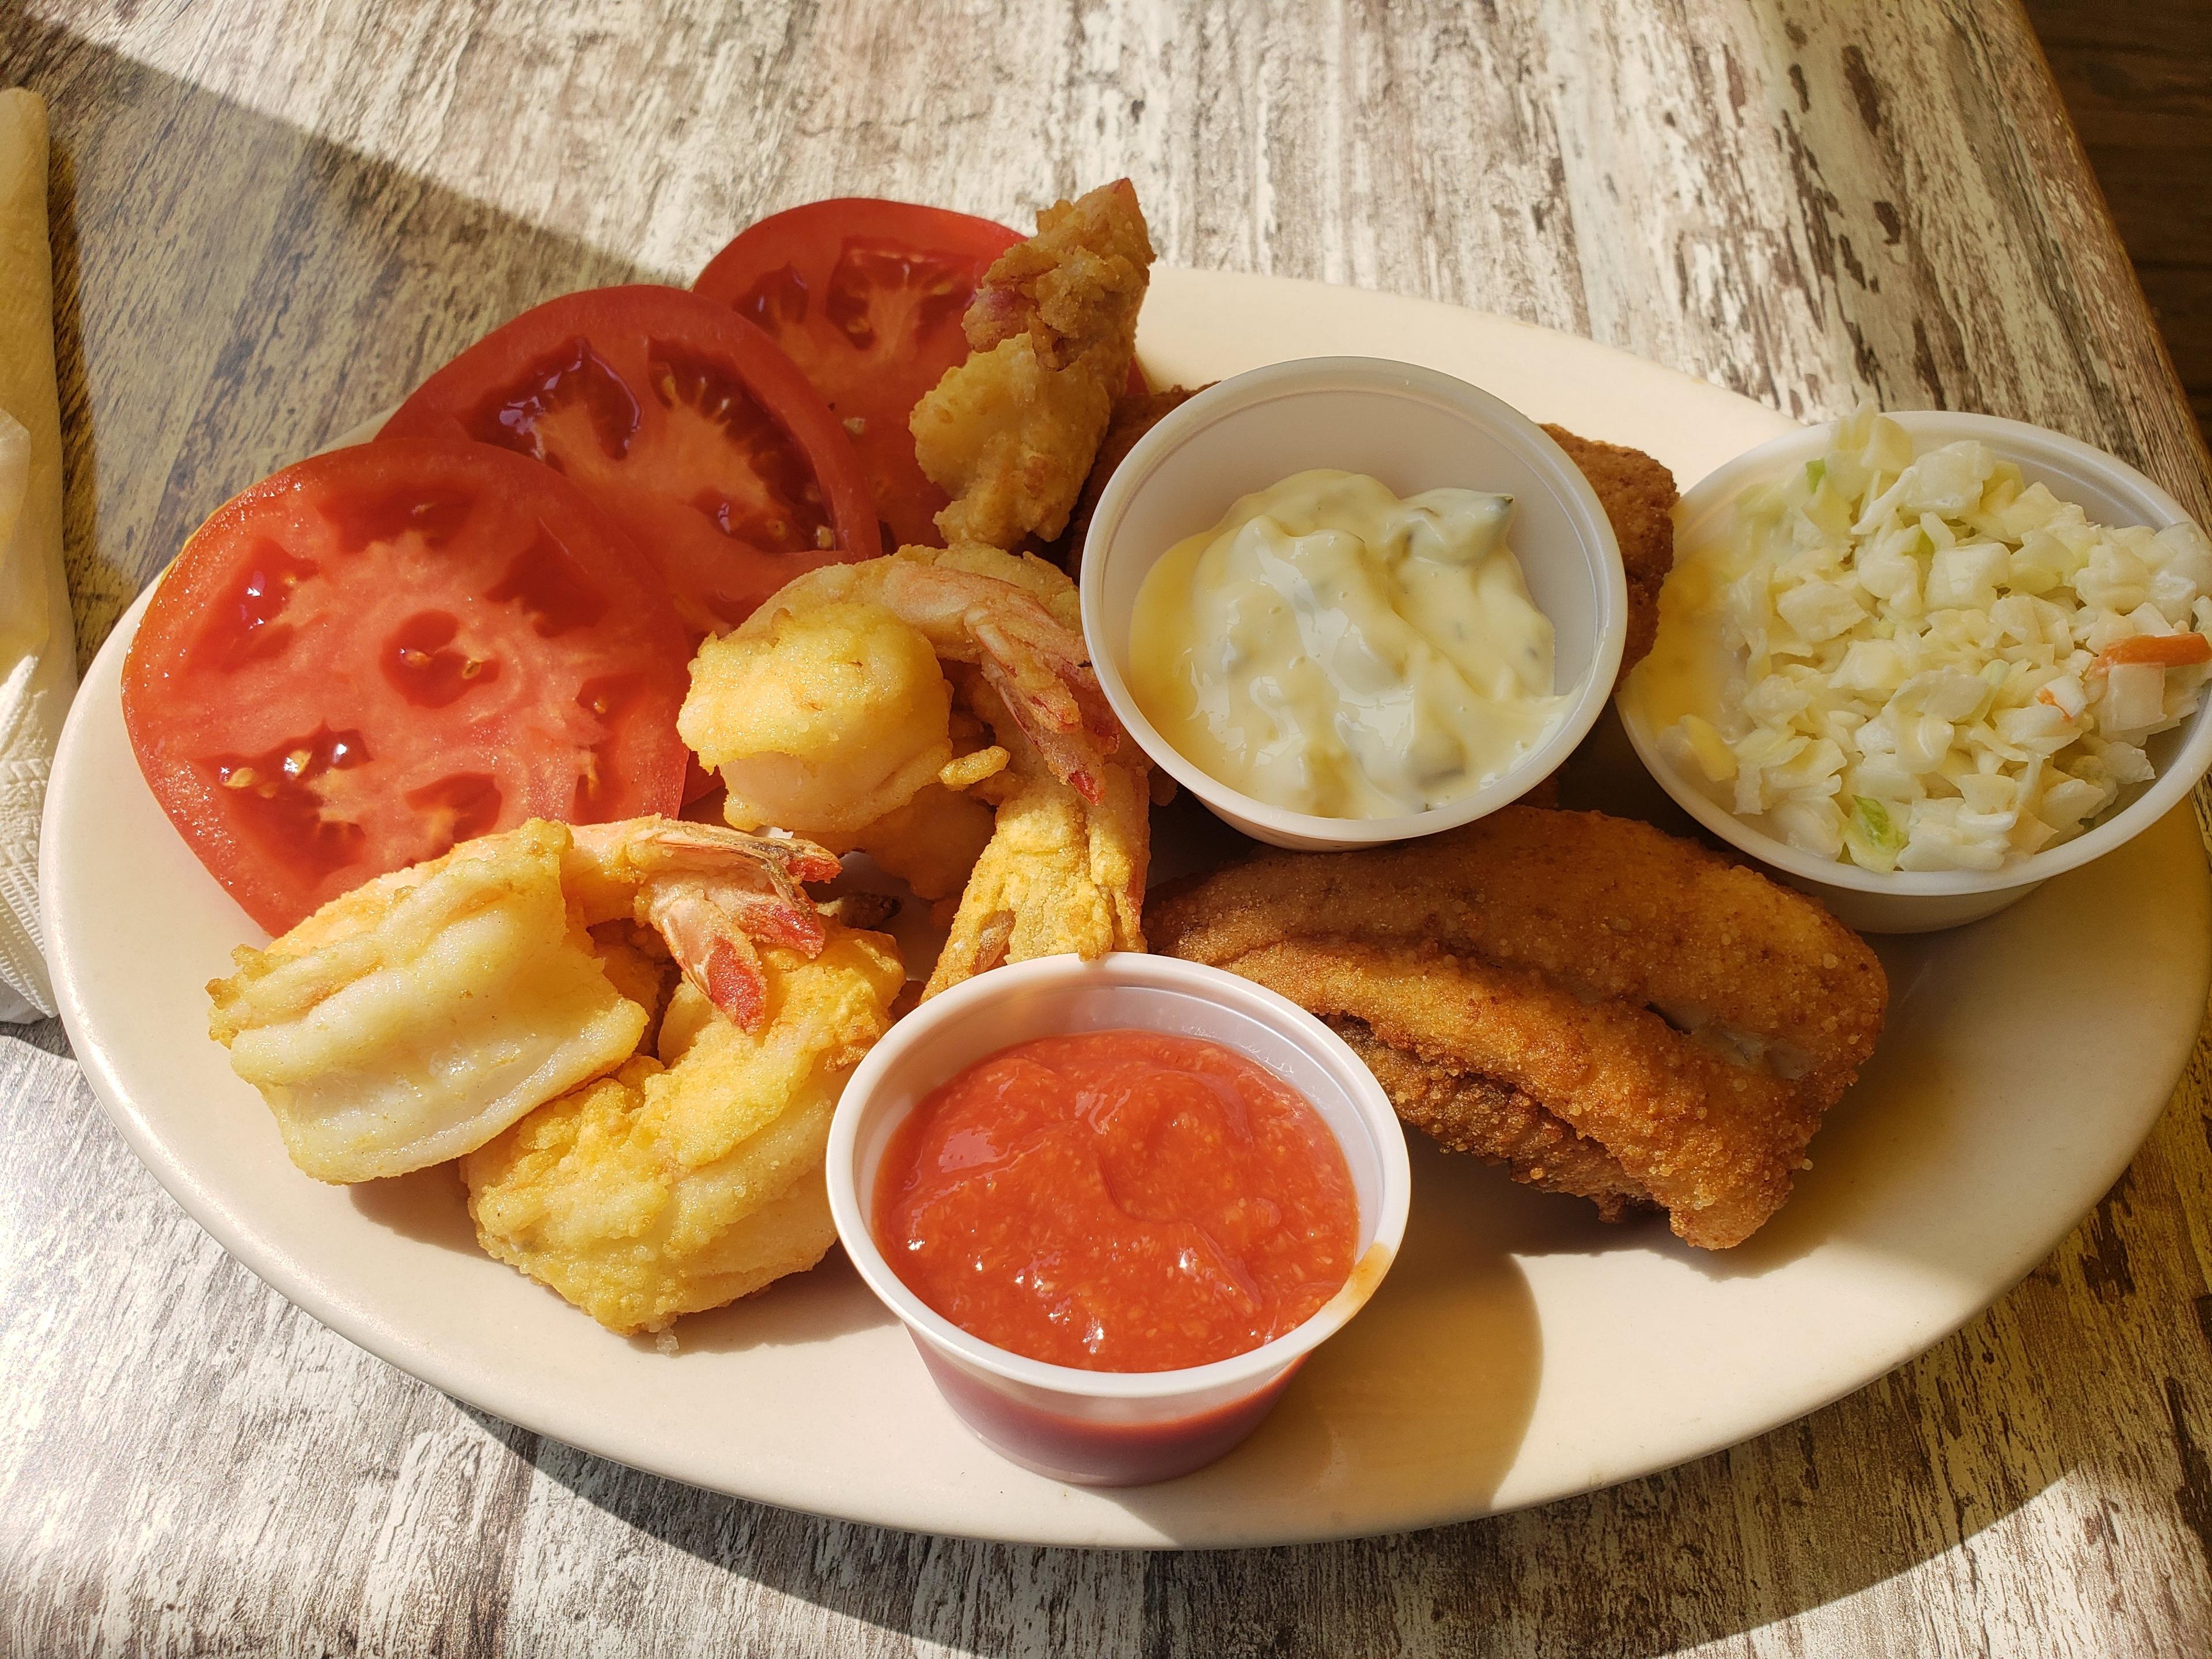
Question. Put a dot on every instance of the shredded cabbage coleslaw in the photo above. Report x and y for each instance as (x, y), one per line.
(1929, 664)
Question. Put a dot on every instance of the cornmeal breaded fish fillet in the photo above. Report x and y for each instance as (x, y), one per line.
(1134, 415)
(1610, 1010)
(1639, 497)
(1466, 1112)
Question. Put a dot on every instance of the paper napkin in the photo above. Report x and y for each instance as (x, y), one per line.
(38, 639)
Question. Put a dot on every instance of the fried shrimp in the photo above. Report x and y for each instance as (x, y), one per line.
(1061, 875)
(937, 709)
(1607, 1010)
(417, 1016)
(683, 1183)
(826, 707)
(1009, 435)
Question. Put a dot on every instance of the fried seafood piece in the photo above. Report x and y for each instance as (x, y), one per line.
(415, 1017)
(937, 709)
(682, 1184)
(1134, 415)
(826, 707)
(1607, 1010)
(1061, 875)
(1010, 434)
(1639, 496)
(1470, 1112)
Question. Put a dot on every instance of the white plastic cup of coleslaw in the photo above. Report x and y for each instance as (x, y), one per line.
(2109, 492)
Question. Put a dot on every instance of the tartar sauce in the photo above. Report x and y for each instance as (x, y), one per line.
(1332, 649)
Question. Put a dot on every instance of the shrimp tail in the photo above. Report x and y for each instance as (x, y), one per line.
(714, 949)
(1056, 700)
(717, 895)
(734, 982)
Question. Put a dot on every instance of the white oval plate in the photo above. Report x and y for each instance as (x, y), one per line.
(1520, 1352)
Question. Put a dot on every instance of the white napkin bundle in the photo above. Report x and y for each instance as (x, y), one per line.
(38, 637)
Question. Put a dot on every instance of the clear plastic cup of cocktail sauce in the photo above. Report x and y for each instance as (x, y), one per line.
(1114, 1428)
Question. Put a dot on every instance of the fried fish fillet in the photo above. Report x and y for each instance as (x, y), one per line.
(1134, 415)
(1010, 434)
(1607, 1010)
(1639, 497)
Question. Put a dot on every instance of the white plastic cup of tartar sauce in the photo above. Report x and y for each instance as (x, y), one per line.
(1415, 430)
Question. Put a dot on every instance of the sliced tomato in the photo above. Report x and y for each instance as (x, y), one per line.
(390, 649)
(690, 426)
(867, 296)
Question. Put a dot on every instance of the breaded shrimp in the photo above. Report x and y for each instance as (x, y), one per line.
(682, 1184)
(419, 1015)
(937, 710)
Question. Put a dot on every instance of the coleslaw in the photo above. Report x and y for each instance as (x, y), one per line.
(1920, 661)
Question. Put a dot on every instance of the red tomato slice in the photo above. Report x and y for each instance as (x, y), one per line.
(688, 425)
(867, 297)
(387, 649)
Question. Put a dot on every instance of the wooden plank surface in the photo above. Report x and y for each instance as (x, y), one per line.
(2137, 81)
(271, 219)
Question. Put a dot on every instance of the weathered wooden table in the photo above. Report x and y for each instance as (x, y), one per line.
(272, 218)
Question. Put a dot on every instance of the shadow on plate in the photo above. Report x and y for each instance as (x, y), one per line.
(1429, 1388)
(827, 1301)
(430, 1205)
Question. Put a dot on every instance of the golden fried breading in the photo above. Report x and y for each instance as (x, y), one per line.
(410, 1020)
(820, 717)
(1009, 435)
(1639, 496)
(661, 1191)
(1134, 416)
(931, 843)
(826, 707)
(1689, 1017)
(1059, 875)
(1463, 1112)
(419, 1015)
(637, 964)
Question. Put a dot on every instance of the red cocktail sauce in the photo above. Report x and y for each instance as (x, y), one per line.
(1118, 1201)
